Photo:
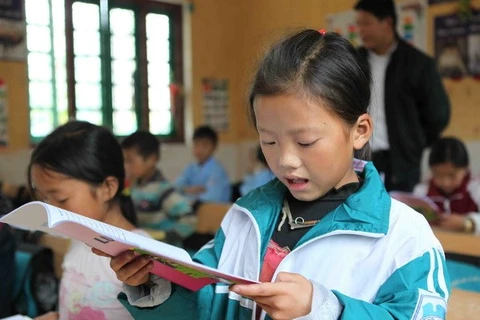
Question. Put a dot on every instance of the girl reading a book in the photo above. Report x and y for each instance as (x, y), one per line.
(79, 167)
(452, 187)
(324, 238)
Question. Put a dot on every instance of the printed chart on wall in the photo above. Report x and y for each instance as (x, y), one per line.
(216, 103)
(12, 30)
(457, 45)
(411, 23)
(3, 114)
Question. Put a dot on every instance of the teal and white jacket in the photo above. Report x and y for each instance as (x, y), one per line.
(370, 258)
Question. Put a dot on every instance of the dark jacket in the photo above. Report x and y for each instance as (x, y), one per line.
(417, 108)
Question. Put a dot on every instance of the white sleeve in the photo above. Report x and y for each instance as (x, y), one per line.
(325, 305)
(150, 295)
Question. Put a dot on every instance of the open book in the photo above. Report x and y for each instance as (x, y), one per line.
(424, 205)
(170, 262)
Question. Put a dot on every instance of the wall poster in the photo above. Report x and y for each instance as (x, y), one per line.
(215, 98)
(12, 30)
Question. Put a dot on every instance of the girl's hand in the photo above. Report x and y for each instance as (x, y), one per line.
(452, 222)
(129, 268)
(289, 297)
(48, 316)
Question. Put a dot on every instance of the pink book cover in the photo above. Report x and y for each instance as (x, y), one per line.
(424, 205)
(170, 262)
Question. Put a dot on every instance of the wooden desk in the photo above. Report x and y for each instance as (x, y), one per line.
(454, 242)
(463, 305)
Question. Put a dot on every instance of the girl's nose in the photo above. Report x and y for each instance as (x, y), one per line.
(288, 159)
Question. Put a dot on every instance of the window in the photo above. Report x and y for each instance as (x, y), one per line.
(121, 69)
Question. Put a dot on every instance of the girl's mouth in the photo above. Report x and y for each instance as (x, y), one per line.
(297, 183)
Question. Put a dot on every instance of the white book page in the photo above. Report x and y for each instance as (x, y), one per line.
(44, 217)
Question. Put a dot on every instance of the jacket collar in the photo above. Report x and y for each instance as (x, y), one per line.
(367, 211)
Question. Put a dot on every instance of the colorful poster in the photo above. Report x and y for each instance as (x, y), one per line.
(12, 30)
(216, 103)
(457, 45)
(411, 23)
(473, 45)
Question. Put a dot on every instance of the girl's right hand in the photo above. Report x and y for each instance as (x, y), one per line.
(130, 269)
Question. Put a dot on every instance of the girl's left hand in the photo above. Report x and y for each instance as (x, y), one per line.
(452, 222)
(289, 297)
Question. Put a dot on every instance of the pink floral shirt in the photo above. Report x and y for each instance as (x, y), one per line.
(89, 287)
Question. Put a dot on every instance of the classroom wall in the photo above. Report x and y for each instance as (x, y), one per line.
(226, 39)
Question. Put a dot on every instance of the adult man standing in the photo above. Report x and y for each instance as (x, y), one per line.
(409, 104)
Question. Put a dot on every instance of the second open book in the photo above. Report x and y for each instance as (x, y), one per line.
(170, 262)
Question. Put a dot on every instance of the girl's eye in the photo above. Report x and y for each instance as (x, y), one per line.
(308, 144)
(62, 201)
(268, 143)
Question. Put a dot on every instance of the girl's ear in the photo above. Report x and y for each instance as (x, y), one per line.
(362, 131)
(109, 188)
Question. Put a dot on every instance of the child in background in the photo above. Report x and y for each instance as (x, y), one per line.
(205, 180)
(79, 167)
(159, 206)
(452, 187)
(324, 238)
(259, 173)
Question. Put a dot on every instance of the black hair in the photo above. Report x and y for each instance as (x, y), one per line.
(261, 156)
(379, 8)
(206, 132)
(145, 143)
(86, 152)
(449, 150)
(323, 67)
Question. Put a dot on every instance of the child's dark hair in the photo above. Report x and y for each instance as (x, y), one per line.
(320, 67)
(449, 150)
(261, 156)
(206, 132)
(379, 8)
(145, 143)
(86, 152)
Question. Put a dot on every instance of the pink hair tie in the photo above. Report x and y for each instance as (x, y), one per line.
(322, 31)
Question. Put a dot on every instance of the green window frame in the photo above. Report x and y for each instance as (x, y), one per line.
(99, 77)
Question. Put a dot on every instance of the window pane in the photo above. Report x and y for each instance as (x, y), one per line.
(158, 50)
(122, 21)
(38, 39)
(94, 117)
(88, 96)
(37, 12)
(124, 122)
(123, 47)
(62, 101)
(39, 66)
(157, 26)
(160, 122)
(85, 16)
(158, 74)
(62, 117)
(123, 97)
(41, 94)
(123, 71)
(159, 98)
(87, 69)
(41, 122)
(86, 43)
